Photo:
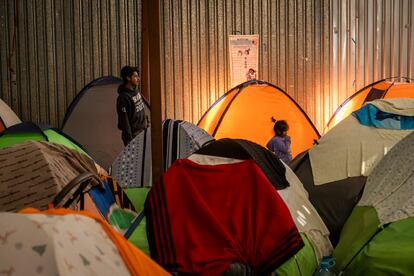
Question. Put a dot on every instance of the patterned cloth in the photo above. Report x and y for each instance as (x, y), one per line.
(181, 139)
(65, 242)
(132, 167)
(50, 245)
(33, 172)
(390, 187)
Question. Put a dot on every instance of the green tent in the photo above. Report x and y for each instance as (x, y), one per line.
(378, 237)
(31, 132)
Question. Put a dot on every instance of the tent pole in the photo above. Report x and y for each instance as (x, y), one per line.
(151, 8)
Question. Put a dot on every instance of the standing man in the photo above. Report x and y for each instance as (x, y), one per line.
(130, 105)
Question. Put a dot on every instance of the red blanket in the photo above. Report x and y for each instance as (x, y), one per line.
(202, 218)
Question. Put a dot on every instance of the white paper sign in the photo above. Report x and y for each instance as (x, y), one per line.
(244, 58)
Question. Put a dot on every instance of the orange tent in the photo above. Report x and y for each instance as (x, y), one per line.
(386, 88)
(246, 111)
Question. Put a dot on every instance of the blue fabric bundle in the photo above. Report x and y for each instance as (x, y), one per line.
(370, 115)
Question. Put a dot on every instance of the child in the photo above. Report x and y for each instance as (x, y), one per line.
(280, 143)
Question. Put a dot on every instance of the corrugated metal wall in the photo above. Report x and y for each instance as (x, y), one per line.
(56, 47)
(294, 52)
(372, 40)
(320, 52)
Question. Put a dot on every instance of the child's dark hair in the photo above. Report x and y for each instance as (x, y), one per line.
(128, 71)
(280, 127)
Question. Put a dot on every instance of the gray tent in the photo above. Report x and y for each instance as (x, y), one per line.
(334, 172)
(91, 119)
(378, 236)
(333, 201)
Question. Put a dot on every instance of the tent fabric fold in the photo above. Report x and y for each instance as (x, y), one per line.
(389, 114)
(241, 149)
(371, 116)
(7, 116)
(398, 106)
(305, 216)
